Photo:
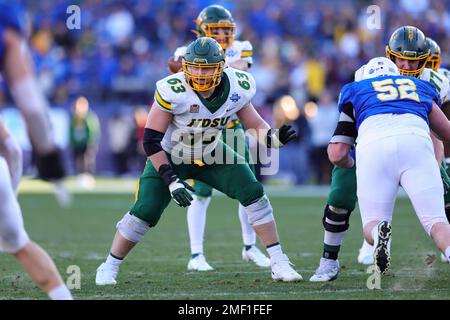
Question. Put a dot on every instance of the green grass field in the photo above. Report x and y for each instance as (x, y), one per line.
(156, 269)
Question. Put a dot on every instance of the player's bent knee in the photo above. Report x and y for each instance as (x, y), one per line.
(429, 222)
(260, 212)
(335, 220)
(132, 228)
(249, 194)
(13, 236)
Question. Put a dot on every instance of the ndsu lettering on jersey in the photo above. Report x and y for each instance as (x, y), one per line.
(211, 123)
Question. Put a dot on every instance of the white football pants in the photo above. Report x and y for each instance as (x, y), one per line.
(400, 160)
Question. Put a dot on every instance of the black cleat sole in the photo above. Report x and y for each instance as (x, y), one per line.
(382, 255)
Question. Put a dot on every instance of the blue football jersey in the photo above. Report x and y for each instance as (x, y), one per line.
(389, 94)
(12, 16)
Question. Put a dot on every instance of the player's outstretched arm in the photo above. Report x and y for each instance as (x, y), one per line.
(439, 123)
(338, 153)
(30, 100)
(272, 138)
(157, 123)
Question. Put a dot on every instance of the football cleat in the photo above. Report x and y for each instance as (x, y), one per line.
(365, 255)
(255, 255)
(382, 254)
(327, 271)
(106, 275)
(199, 264)
(444, 258)
(282, 270)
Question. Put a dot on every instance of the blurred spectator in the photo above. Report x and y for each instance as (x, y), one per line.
(84, 136)
(119, 133)
(138, 154)
(323, 122)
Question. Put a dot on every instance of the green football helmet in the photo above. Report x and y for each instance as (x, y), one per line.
(408, 43)
(203, 64)
(216, 22)
(434, 60)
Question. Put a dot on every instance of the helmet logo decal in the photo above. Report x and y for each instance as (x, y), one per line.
(410, 34)
(199, 60)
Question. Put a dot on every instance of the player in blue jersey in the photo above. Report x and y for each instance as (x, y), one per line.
(17, 68)
(391, 115)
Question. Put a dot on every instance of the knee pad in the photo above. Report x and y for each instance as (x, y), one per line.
(13, 236)
(260, 212)
(335, 220)
(132, 228)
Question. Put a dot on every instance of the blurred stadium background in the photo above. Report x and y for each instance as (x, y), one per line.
(304, 51)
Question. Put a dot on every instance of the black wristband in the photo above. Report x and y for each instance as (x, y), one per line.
(167, 174)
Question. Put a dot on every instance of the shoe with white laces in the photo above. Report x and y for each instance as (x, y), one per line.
(282, 270)
(444, 258)
(255, 255)
(365, 255)
(199, 264)
(382, 254)
(106, 275)
(328, 270)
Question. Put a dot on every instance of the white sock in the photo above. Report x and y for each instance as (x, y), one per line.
(447, 254)
(275, 251)
(374, 234)
(366, 247)
(60, 293)
(248, 233)
(113, 262)
(333, 238)
(196, 219)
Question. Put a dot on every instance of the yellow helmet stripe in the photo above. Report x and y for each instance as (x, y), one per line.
(246, 53)
(162, 102)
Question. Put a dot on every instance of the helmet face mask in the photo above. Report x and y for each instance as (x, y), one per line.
(222, 32)
(202, 76)
(203, 64)
(408, 43)
(434, 61)
(216, 22)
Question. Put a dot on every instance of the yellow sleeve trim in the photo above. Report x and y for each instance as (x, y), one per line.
(137, 191)
(162, 102)
(246, 54)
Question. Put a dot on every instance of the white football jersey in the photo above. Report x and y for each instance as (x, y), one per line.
(195, 130)
(440, 82)
(240, 50)
(445, 72)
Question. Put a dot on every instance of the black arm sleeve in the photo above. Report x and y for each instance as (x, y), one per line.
(346, 128)
(152, 141)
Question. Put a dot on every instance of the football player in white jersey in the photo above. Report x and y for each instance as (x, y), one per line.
(217, 22)
(434, 63)
(182, 141)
